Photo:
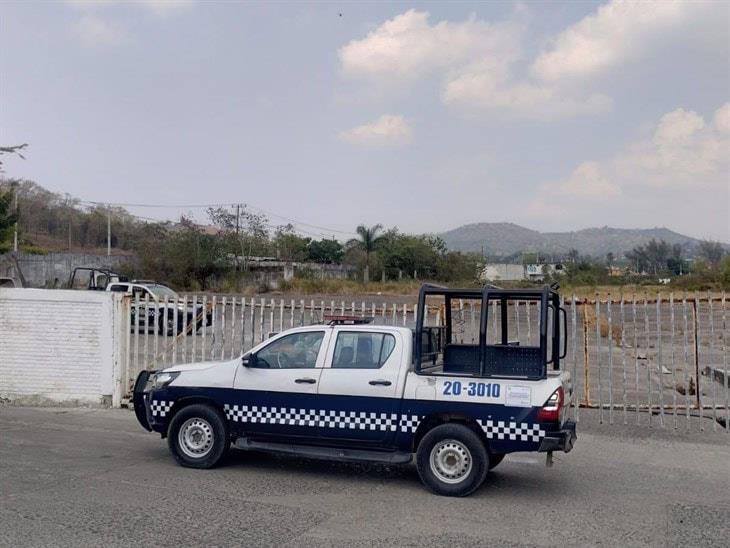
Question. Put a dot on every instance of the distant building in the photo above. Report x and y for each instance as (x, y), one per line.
(537, 272)
(502, 272)
(516, 272)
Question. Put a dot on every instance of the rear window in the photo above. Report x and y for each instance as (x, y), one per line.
(361, 350)
(120, 288)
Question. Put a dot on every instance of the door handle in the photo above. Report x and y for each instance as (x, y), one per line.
(380, 382)
(305, 380)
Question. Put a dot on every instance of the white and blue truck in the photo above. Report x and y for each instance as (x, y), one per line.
(349, 390)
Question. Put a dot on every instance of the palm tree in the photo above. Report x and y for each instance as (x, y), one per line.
(368, 242)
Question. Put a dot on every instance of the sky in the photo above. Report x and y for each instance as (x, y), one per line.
(426, 116)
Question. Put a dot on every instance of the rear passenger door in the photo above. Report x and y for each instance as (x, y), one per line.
(359, 387)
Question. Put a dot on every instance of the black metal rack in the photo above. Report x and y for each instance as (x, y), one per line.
(486, 359)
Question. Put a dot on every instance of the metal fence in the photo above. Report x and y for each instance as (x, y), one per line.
(655, 361)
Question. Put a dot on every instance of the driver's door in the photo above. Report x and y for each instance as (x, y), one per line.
(276, 393)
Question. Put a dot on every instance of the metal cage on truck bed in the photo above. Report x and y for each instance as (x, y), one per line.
(492, 354)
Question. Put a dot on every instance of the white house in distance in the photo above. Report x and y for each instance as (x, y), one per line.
(516, 272)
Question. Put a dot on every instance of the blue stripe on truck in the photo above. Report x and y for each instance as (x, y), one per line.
(387, 422)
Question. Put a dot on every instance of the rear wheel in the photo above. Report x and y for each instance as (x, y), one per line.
(198, 436)
(452, 460)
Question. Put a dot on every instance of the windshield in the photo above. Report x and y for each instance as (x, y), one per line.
(161, 291)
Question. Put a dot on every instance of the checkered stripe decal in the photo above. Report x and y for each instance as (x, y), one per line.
(160, 408)
(502, 430)
(353, 420)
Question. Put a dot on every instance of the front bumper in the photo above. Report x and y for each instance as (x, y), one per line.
(559, 440)
(139, 399)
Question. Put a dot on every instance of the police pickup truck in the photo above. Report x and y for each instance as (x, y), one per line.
(352, 391)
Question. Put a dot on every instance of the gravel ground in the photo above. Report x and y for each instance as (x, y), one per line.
(72, 477)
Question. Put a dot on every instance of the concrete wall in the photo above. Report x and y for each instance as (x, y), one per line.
(54, 269)
(61, 346)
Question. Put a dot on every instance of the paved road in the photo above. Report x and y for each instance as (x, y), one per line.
(74, 477)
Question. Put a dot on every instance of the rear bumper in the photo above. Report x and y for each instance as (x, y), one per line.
(559, 440)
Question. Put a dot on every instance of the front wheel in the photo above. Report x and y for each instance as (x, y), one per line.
(198, 436)
(495, 459)
(452, 460)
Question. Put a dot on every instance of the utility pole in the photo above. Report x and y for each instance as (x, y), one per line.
(109, 231)
(15, 234)
(238, 224)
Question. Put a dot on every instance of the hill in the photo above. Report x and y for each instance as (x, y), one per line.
(509, 239)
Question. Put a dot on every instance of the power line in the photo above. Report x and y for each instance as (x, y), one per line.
(267, 225)
(327, 230)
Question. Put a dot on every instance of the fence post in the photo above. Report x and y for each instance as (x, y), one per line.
(660, 369)
(610, 359)
(698, 387)
(586, 375)
(685, 345)
(598, 358)
(724, 367)
(204, 330)
(623, 359)
(710, 364)
(195, 330)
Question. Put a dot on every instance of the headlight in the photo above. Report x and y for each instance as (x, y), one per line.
(160, 380)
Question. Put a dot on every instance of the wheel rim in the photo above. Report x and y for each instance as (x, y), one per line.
(451, 461)
(195, 438)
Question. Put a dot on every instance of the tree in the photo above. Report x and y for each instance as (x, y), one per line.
(290, 246)
(711, 251)
(650, 257)
(573, 255)
(15, 149)
(244, 233)
(325, 251)
(609, 259)
(675, 263)
(368, 242)
(7, 218)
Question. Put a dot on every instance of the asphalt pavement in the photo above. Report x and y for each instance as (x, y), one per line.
(93, 477)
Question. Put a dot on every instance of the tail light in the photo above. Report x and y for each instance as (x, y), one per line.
(550, 412)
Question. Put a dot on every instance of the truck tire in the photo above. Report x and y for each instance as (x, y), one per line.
(452, 460)
(495, 459)
(198, 436)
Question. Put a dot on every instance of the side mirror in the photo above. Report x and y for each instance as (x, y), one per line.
(249, 360)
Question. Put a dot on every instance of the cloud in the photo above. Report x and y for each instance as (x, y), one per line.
(158, 7)
(684, 156)
(163, 8)
(587, 181)
(482, 66)
(482, 87)
(95, 31)
(616, 32)
(722, 118)
(387, 130)
(475, 61)
(408, 46)
(683, 151)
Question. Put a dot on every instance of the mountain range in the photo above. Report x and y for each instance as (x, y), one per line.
(508, 239)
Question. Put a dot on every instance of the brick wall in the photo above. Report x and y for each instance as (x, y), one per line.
(60, 345)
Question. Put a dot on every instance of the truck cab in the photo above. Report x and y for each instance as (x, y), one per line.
(457, 401)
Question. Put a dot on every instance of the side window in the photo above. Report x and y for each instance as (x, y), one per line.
(296, 351)
(141, 291)
(360, 350)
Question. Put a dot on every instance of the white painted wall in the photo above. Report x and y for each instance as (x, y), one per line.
(503, 271)
(61, 345)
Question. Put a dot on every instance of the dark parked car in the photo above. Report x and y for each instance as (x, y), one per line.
(161, 310)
